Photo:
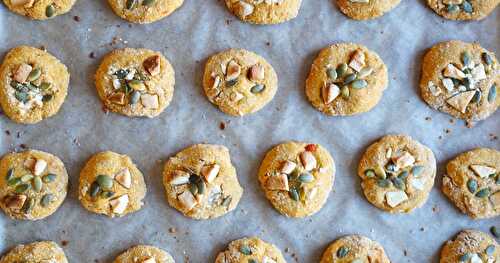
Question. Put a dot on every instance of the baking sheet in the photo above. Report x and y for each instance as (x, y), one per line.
(187, 38)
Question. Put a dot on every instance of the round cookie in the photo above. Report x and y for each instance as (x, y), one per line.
(366, 9)
(250, 249)
(239, 82)
(33, 84)
(200, 182)
(43, 251)
(135, 82)
(264, 12)
(144, 254)
(144, 11)
(354, 249)
(397, 173)
(33, 184)
(461, 79)
(346, 79)
(111, 184)
(463, 9)
(472, 182)
(39, 9)
(297, 178)
(470, 246)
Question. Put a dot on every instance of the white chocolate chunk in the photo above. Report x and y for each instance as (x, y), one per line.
(453, 72)
(187, 200)
(179, 178)
(357, 61)
(478, 73)
(330, 92)
(448, 84)
(483, 171)
(40, 166)
(210, 172)
(403, 160)
(22, 73)
(245, 9)
(435, 90)
(418, 183)
(495, 200)
(311, 193)
(233, 70)
(118, 205)
(124, 178)
(395, 198)
(287, 167)
(475, 258)
(308, 160)
(150, 101)
(267, 259)
(461, 100)
(277, 182)
(149, 260)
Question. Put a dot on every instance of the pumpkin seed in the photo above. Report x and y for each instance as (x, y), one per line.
(252, 261)
(107, 194)
(398, 183)
(498, 179)
(350, 78)
(294, 194)
(402, 175)
(22, 188)
(477, 96)
(245, 250)
(193, 188)
(467, 82)
(492, 94)
(201, 187)
(257, 88)
(384, 183)
(465, 257)
(135, 84)
(467, 7)
(28, 205)
(231, 83)
(417, 170)
(485, 192)
(359, 84)
(306, 178)
(379, 171)
(365, 72)
(193, 178)
(391, 167)
(94, 189)
(122, 73)
(34, 74)
(49, 178)
(341, 70)
(14, 181)
(345, 92)
(494, 231)
(472, 185)
(148, 2)
(47, 97)
(104, 181)
(10, 174)
(50, 10)
(342, 252)
(332, 73)
(131, 4)
(134, 97)
(451, 8)
(487, 58)
(26, 178)
(467, 71)
(227, 201)
(490, 250)
(370, 173)
(46, 200)
(21, 96)
(466, 58)
(44, 85)
(37, 183)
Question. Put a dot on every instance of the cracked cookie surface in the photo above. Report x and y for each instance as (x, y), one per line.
(251, 249)
(470, 246)
(366, 9)
(43, 251)
(144, 11)
(144, 254)
(40, 9)
(354, 249)
(463, 9)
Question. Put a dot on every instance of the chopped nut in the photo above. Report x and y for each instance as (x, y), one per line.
(152, 65)
(180, 178)
(357, 60)
(118, 205)
(478, 73)
(256, 72)
(388, 153)
(233, 70)
(330, 92)
(483, 171)
(448, 84)
(40, 166)
(210, 172)
(395, 198)
(453, 72)
(187, 200)
(149, 101)
(311, 193)
(25, 3)
(29, 163)
(277, 182)
(117, 98)
(236, 96)
(287, 167)
(124, 178)
(244, 9)
(267, 259)
(149, 260)
(403, 160)
(435, 90)
(22, 73)
(461, 100)
(15, 202)
(308, 160)
(216, 82)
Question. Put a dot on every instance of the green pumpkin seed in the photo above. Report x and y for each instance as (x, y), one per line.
(490, 250)
(451, 8)
(34, 74)
(306, 178)
(332, 73)
(148, 2)
(472, 185)
(28, 205)
(342, 252)
(467, 82)
(417, 170)
(467, 7)
(231, 83)
(384, 183)
(370, 173)
(131, 4)
(245, 250)
(467, 71)
(456, 82)
(21, 96)
(487, 58)
(257, 88)
(402, 175)
(94, 189)
(492, 94)
(136, 84)
(14, 181)
(50, 10)
(45, 85)
(49, 178)
(498, 179)
(107, 194)
(22, 188)
(134, 97)
(294, 194)
(10, 174)
(37, 183)
(252, 261)
(465, 257)
(398, 183)
(477, 96)
(380, 172)
(201, 187)
(341, 70)
(193, 188)
(391, 167)
(47, 97)
(193, 178)
(485, 192)
(350, 78)
(494, 231)
(104, 181)
(26, 178)
(227, 201)
(466, 58)
(345, 92)
(365, 72)
(46, 200)
(359, 84)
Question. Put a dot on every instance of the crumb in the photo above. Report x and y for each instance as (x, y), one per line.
(76, 18)
(75, 141)
(452, 120)
(469, 124)
(105, 109)
(405, 252)
(447, 130)
(440, 137)
(23, 146)
(92, 55)
(228, 21)
(7, 132)
(422, 229)
(64, 243)
(287, 250)
(172, 230)
(43, 48)
(268, 43)
(435, 209)
(222, 125)
(428, 118)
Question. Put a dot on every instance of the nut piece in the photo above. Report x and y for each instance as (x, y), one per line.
(233, 70)
(150, 101)
(330, 92)
(308, 160)
(267, 259)
(244, 9)
(22, 73)
(482, 170)
(15, 202)
(448, 84)
(117, 98)
(124, 178)
(216, 82)
(256, 72)
(40, 166)
(29, 163)
(180, 178)
(478, 73)
(152, 65)
(357, 60)
(277, 182)
(210, 172)
(118, 205)
(287, 167)
(395, 198)
(149, 260)
(461, 100)
(403, 160)
(495, 200)
(453, 72)
(25, 3)
(187, 200)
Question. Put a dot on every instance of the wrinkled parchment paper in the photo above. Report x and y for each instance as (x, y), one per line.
(187, 37)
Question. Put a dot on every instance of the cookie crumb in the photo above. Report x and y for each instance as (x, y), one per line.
(23, 146)
(64, 243)
(92, 55)
(405, 253)
(435, 209)
(428, 118)
(222, 125)
(7, 132)
(76, 18)
(172, 230)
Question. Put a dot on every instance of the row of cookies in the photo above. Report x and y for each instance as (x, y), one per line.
(397, 174)
(254, 11)
(458, 78)
(468, 246)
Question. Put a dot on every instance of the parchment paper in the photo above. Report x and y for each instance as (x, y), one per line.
(187, 37)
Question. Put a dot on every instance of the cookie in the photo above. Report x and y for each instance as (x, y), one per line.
(366, 9)
(297, 178)
(43, 251)
(470, 246)
(354, 249)
(144, 11)
(200, 182)
(40, 9)
(239, 82)
(144, 254)
(135, 82)
(461, 79)
(250, 249)
(346, 79)
(397, 173)
(111, 184)
(33, 84)
(33, 184)
(264, 12)
(472, 182)
(463, 9)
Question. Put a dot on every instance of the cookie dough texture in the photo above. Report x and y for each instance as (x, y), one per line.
(363, 10)
(303, 188)
(111, 184)
(43, 251)
(25, 102)
(33, 184)
(358, 100)
(470, 246)
(135, 82)
(472, 182)
(354, 249)
(40, 9)
(264, 11)
(479, 8)
(444, 63)
(144, 11)
(239, 82)
(247, 249)
(146, 254)
(397, 173)
(201, 182)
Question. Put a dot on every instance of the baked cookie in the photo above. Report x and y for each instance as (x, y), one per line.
(33, 184)
(111, 184)
(200, 181)
(463, 9)
(39, 9)
(397, 173)
(470, 246)
(366, 9)
(472, 182)
(354, 249)
(248, 250)
(33, 84)
(264, 12)
(144, 254)
(42, 252)
(239, 82)
(135, 82)
(297, 178)
(144, 11)
(461, 79)
(346, 79)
